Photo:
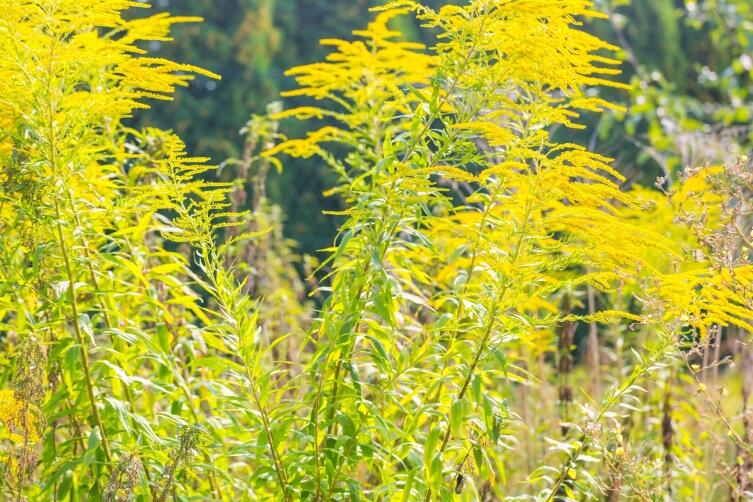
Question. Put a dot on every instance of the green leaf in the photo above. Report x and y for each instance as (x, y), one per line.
(456, 416)
(432, 442)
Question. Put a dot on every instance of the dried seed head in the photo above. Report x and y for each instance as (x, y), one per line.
(459, 483)
(123, 480)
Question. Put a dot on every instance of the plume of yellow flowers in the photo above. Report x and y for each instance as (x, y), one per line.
(19, 423)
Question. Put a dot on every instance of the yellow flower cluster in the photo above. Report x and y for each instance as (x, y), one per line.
(693, 289)
(368, 83)
(18, 421)
(72, 41)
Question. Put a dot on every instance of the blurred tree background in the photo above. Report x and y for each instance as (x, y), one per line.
(689, 61)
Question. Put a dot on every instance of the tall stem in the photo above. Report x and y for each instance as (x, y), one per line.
(108, 323)
(620, 391)
(52, 141)
(488, 330)
(80, 338)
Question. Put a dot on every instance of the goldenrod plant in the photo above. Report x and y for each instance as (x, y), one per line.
(158, 342)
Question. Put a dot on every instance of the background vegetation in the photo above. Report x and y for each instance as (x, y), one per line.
(689, 61)
(520, 265)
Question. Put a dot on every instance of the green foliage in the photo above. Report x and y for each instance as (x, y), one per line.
(251, 43)
(690, 71)
(159, 343)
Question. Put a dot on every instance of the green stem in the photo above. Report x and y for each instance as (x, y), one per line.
(281, 476)
(80, 338)
(488, 330)
(67, 260)
(610, 402)
(212, 481)
(108, 323)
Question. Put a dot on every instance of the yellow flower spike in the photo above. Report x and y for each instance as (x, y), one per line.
(370, 81)
(12, 417)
